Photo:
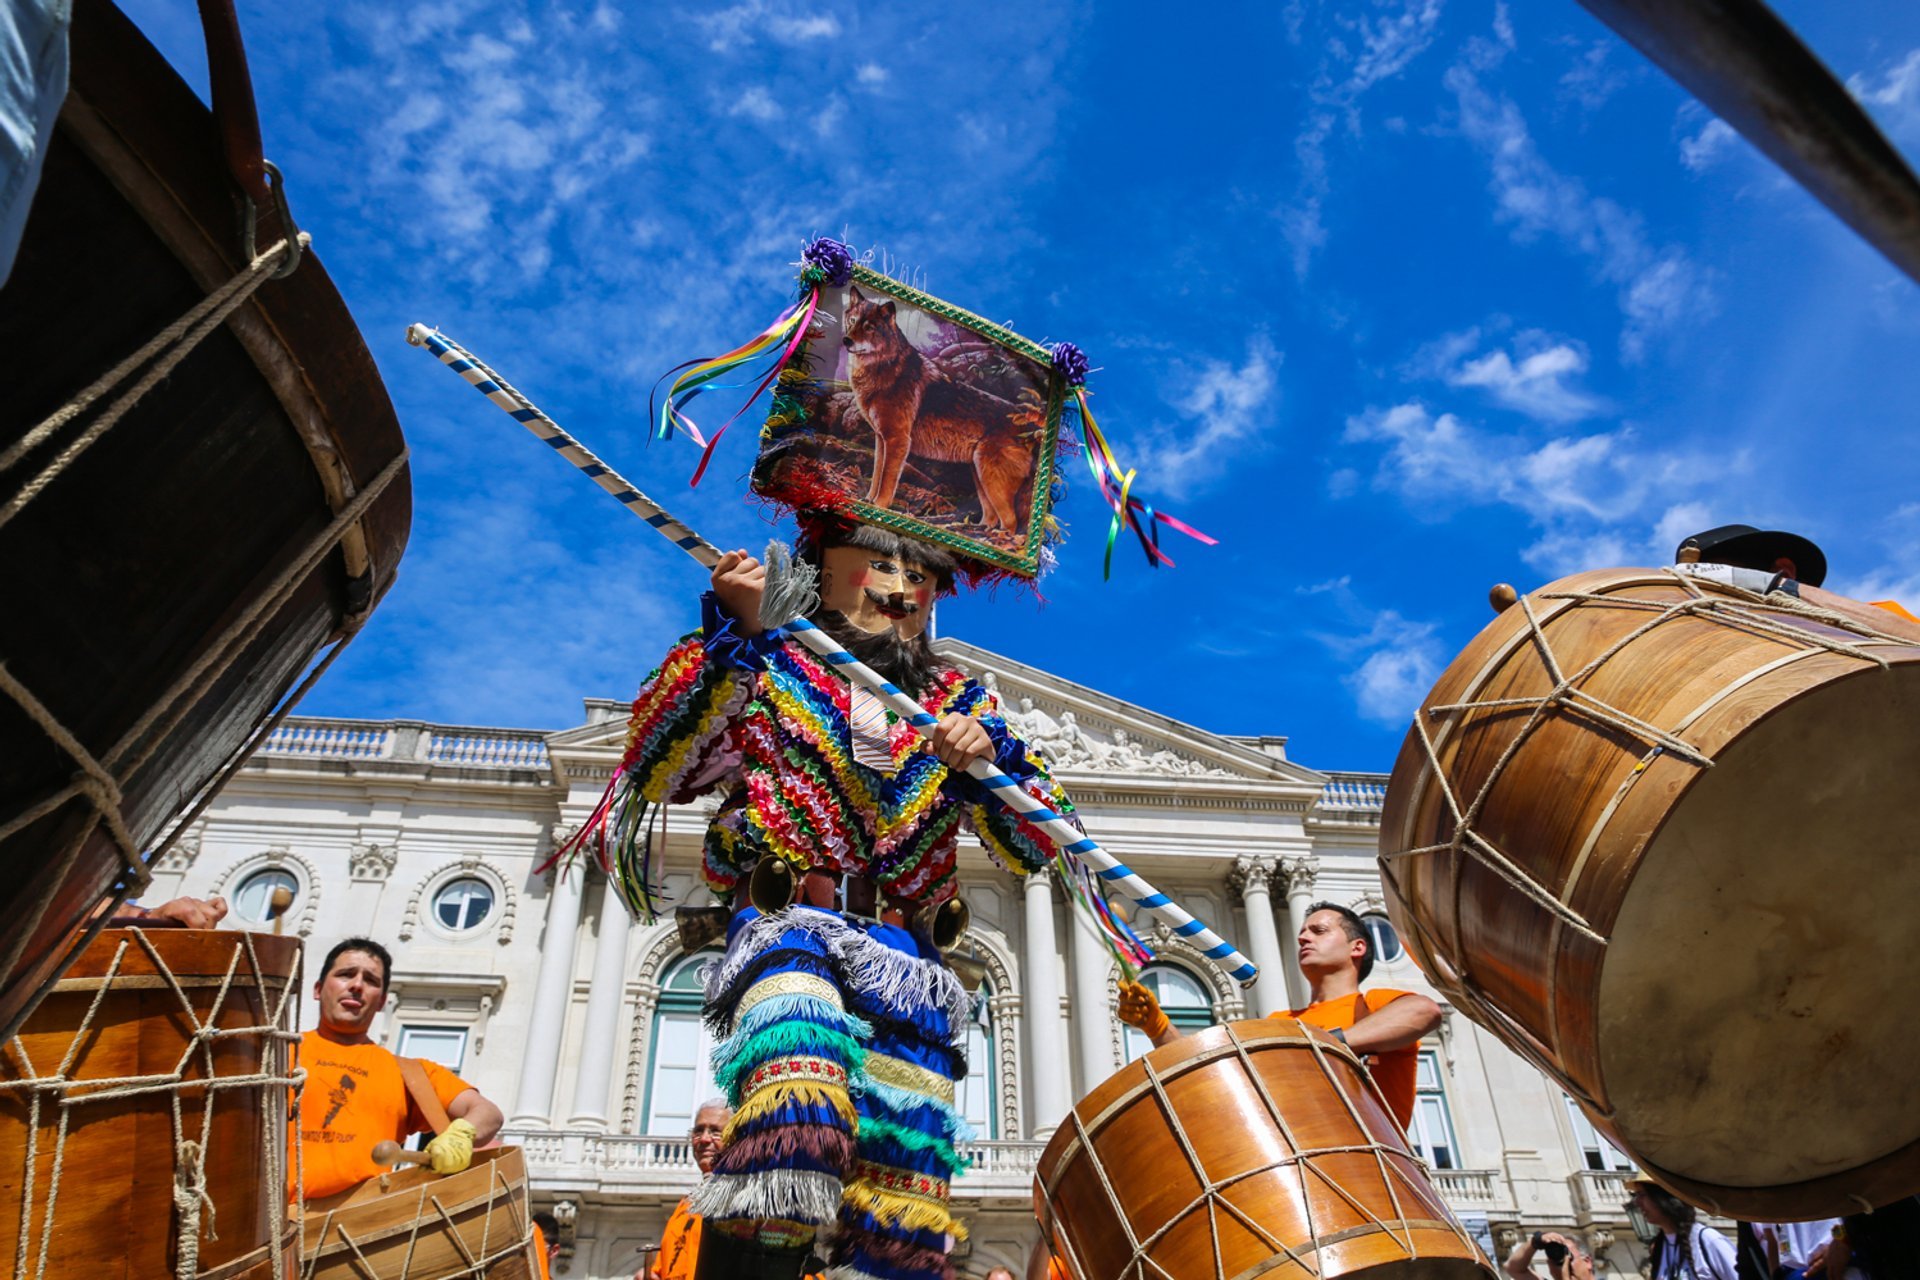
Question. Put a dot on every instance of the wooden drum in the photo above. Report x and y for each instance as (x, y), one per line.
(144, 1112)
(418, 1225)
(1252, 1149)
(1642, 831)
(168, 582)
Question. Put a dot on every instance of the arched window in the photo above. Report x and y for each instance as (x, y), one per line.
(1386, 942)
(255, 893)
(1186, 1000)
(680, 1077)
(978, 1095)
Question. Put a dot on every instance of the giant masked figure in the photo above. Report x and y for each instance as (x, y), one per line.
(840, 1027)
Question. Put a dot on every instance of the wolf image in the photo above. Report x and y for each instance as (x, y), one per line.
(915, 408)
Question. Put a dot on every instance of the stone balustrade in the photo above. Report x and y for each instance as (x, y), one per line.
(1356, 795)
(468, 747)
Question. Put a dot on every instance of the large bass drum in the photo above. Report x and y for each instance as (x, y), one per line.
(167, 577)
(1643, 830)
(1254, 1149)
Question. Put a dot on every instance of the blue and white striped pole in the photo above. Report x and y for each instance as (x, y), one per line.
(1009, 792)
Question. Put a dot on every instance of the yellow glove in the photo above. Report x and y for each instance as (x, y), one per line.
(1139, 1009)
(452, 1151)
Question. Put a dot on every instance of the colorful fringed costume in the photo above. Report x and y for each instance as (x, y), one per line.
(840, 1035)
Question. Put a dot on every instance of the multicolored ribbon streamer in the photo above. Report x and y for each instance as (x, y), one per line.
(784, 335)
(1116, 488)
(1068, 840)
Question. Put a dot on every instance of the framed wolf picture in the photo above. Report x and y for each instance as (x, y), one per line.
(903, 411)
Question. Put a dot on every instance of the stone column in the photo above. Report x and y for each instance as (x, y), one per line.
(552, 992)
(1046, 1047)
(1092, 1002)
(1252, 879)
(604, 1000)
(1299, 875)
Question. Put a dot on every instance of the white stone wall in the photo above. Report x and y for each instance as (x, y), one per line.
(371, 816)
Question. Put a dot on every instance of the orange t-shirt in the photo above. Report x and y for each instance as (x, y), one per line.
(679, 1245)
(540, 1251)
(1395, 1071)
(354, 1098)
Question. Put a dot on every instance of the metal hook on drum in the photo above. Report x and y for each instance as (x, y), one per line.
(250, 221)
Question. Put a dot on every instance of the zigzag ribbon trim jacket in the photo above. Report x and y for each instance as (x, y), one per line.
(764, 723)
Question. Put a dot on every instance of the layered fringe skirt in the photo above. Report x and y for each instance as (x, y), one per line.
(839, 1048)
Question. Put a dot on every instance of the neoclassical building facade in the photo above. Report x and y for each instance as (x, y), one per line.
(583, 1023)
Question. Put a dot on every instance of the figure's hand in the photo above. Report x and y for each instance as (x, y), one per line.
(959, 739)
(739, 581)
(452, 1151)
(1139, 1009)
(194, 913)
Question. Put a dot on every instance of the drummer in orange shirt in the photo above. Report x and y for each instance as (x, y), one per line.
(355, 1093)
(1383, 1026)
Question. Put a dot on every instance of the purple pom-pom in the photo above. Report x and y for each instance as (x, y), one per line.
(1072, 363)
(833, 260)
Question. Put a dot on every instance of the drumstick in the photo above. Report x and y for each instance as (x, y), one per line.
(390, 1153)
(1066, 838)
(277, 903)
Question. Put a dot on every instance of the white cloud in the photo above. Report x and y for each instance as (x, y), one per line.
(1536, 379)
(871, 74)
(1704, 149)
(1659, 289)
(1391, 684)
(755, 104)
(1897, 86)
(1225, 407)
(1593, 78)
(1592, 497)
(738, 25)
(1362, 52)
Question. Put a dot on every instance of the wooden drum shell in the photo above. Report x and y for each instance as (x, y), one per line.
(140, 560)
(113, 1212)
(1310, 1176)
(1612, 831)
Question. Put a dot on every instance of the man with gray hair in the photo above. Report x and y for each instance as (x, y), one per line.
(680, 1242)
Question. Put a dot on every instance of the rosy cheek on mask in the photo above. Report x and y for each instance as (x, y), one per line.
(923, 597)
(859, 579)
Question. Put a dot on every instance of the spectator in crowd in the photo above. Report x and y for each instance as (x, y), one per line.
(1799, 1250)
(359, 1093)
(999, 1273)
(1383, 1026)
(1883, 1245)
(1564, 1257)
(546, 1241)
(680, 1242)
(1685, 1249)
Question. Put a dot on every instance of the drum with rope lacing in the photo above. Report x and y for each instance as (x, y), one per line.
(1642, 830)
(202, 482)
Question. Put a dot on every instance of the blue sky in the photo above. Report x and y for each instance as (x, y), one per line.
(1398, 299)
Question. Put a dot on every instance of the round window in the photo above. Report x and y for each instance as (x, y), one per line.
(255, 895)
(1386, 943)
(463, 904)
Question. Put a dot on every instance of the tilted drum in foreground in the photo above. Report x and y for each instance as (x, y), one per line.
(1252, 1149)
(175, 554)
(1640, 831)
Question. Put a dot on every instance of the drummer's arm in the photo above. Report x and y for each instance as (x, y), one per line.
(194, 913)
(1395, 1025)
(473, 1107)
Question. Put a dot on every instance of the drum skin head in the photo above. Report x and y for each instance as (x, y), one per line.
(1762, 969)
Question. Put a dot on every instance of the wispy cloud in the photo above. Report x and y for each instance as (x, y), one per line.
(1659, 288)
(1391, 660)
(1704, 149)
(1593, 78)
(1537, 378)
(1362, 50)
(1592, 497)
(755, 103)
(741, 25)
(1225, 407)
